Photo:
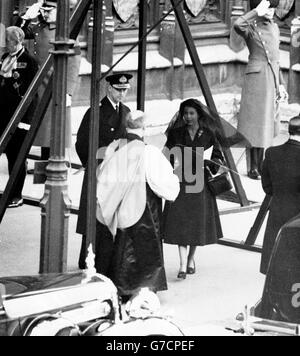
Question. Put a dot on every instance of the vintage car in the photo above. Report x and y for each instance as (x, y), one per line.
(75, 304)
(278, 312)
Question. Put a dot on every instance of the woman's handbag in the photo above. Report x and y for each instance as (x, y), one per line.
(219, 183)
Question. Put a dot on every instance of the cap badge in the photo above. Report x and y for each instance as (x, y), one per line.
(123, 80)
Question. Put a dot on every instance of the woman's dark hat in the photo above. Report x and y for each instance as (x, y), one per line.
(294, 126)
(255, 3)
(226, 134)
(119, 81)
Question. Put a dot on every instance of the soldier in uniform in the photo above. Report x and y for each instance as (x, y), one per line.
(112, 127)
(17, 71)
(263, 86)
(39, 25)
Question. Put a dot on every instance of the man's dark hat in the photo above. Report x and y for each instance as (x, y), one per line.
(255, 3)
(294, 126)
(119, 81)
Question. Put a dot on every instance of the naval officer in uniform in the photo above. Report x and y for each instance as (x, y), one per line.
(17, 70)
(113, 115)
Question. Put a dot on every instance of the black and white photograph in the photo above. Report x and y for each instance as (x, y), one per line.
(150, 170)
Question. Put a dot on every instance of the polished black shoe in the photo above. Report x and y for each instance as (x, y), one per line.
(15, 203)
(254, 174)
(181, 275)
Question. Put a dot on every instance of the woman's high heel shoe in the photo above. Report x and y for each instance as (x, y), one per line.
(181, 275)
(191, 270)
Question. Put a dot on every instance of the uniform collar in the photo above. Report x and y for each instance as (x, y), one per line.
(18, 53)
(294, 141)
(113, 104)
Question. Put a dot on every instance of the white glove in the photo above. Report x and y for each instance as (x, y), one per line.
(68, 101)
(33, 11)
(263, 8)
(284, 96)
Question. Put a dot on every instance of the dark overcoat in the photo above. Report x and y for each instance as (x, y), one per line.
(137, 260)
(13, 89)
(42, 34)
(193, 219)
(259, 119)
(112, 127)
(281, 180)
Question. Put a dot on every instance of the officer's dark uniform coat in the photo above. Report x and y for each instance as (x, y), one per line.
(112, 127)
(259, 120)
(12, 91)
(281, 179)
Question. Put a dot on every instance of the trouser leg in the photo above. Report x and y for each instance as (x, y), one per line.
(104, 250)
(256, 160)
(12, 152)
(83, 253)
(45, 153)
(260, 158)
(253, 159)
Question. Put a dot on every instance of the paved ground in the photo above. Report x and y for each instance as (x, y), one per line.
(227, 279)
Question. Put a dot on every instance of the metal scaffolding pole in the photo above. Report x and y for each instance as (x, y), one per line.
(94, 122)
(56, 203)
(141, 87)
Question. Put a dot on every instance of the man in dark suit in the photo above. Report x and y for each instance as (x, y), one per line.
(112, 127)
(281, 180)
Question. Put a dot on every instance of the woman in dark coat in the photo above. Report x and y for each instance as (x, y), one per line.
(193, 219)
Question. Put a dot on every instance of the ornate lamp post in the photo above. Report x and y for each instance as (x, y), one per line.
(56, 203)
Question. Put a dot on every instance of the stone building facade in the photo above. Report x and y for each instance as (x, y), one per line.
(170, 74)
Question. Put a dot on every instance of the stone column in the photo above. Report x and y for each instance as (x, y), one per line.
(237, 43)
(6, 16)
(167, 49)
(179, 68)
(294, 74)
(109, 34)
